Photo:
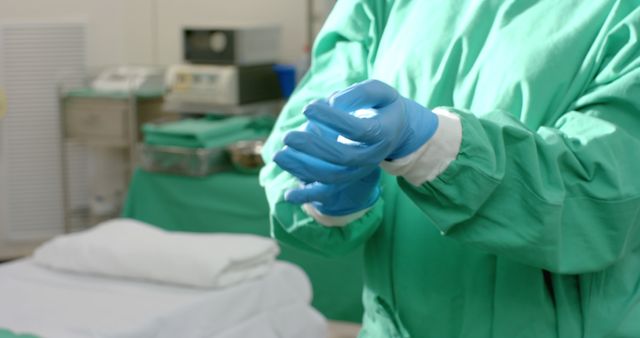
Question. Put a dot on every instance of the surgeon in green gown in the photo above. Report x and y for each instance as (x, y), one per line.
(485, 153)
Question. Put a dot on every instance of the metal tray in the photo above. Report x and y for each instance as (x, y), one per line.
(184, 161)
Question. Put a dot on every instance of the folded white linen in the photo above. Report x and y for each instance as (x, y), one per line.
(127, 248)
(57, 304)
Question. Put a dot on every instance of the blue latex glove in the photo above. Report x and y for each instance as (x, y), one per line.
(341, 198)
(334, 190)
(383, 124)
(310, 169)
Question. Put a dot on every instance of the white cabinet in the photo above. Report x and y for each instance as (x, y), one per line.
(109, 125)
(35, 57)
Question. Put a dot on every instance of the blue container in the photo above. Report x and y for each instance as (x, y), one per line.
(286, 77)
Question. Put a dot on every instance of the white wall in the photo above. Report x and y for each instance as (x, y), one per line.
(148, 31)
(107, 25)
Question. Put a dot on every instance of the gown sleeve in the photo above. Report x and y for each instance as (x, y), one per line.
(564, 197)
(342, 55)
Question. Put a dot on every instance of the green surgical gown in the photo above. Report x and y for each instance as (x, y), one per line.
(534, 229)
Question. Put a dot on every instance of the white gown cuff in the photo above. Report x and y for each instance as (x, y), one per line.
(332, 221)
(430, 160)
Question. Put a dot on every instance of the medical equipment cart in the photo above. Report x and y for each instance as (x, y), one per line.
(106, 122)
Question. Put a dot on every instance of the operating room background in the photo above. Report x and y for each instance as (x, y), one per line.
(148, 31)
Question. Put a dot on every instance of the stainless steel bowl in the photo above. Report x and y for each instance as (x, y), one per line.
(246, 155)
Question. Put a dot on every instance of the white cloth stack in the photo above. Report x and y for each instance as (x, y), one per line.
(126, 248)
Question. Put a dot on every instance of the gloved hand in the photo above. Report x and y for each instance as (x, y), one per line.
(339, 199)
(382, 124)
(310, 169)
(334, 190)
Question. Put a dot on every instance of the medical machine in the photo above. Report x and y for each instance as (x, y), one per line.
(232, 44)
(129, 78)
(221, 84)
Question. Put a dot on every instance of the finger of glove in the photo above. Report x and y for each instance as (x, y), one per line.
(320, 130)
(310, 169)
(366, 94)
(354, 128)
(316, 192)
(332, 150)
